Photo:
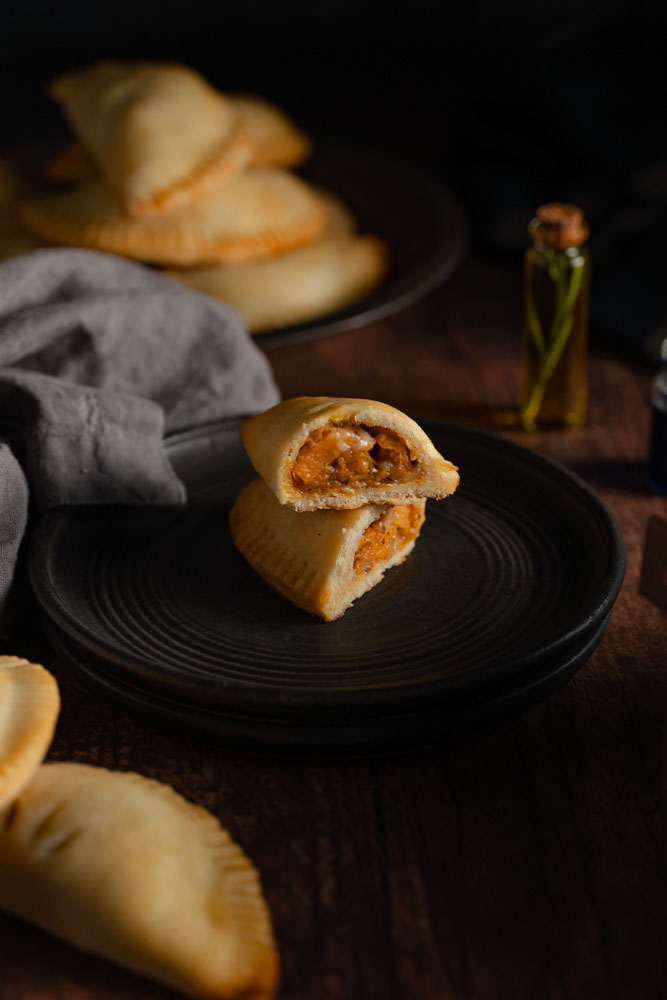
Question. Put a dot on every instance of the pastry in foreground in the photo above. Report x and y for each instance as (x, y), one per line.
(29, 707)
(320, 451)
(263, 211)
(321, 560)
(158, 132)
(124, 867)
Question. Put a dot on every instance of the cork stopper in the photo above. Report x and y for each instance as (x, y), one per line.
(559, 226)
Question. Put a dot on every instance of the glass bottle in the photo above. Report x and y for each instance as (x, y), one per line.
(554, 352)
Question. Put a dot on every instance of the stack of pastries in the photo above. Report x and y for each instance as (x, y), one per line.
(339, 499)
(167, 170)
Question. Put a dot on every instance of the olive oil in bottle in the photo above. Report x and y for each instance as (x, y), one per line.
(554, 353)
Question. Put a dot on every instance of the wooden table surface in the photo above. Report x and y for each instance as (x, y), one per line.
(526, 863)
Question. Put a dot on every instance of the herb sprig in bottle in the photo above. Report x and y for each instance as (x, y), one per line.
(554, 356)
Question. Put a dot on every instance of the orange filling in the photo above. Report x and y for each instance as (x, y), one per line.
(352, 456)
(385, 536)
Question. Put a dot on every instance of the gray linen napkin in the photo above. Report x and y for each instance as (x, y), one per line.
(99, 358)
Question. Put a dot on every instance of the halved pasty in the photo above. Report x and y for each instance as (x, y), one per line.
(321, 560)
(124, 867)
(297, 286)
(263, 211)
(278, 141)
(319, 451)
(159, 133)
(29, 707)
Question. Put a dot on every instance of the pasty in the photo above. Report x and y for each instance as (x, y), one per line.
(124, 867)
(158, 132)
(321, 560)
(29, 707)
(263, 211)
(277, 139)
(297, 286)
(276, 142)
(319, 451)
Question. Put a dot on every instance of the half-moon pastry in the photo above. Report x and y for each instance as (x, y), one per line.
(29, 707)
(319, 451)
(321, 560)
(297, 286)
(124, 867)
(277, 142)
(159, 133)
(277, 139)
(263, 211)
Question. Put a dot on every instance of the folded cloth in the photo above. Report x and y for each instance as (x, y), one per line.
(99, 358)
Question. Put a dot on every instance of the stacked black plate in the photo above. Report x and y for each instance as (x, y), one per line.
(507, 593)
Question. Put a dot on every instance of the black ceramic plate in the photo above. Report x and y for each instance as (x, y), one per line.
(511, 581)
(421, 222)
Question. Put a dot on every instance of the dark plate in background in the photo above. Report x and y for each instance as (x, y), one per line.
(509, 587)
(421, 222)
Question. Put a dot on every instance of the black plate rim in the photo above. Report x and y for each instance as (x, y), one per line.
(349, 738)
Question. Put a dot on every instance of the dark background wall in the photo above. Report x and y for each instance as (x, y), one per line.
(511, 104)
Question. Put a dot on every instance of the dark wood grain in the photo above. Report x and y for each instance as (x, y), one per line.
(528, 863)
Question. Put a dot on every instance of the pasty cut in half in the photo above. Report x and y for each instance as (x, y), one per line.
(29, 707)
(122, 866)
(320, 451)
(321, 560)
(263, 211)
(158, 132)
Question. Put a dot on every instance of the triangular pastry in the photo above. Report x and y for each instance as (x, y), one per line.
(263, 211)
(278, 141)
(321, 560)
(299, 285)
(124, 867)
(29, 707)
(158, 132)
(320, 451)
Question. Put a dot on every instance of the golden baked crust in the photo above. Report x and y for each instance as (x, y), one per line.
(263, 211)
(320, 451)
(29, 707)
(159, 133)
(296, 286)
(278, 141)
(124, 867)
(321, 560)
